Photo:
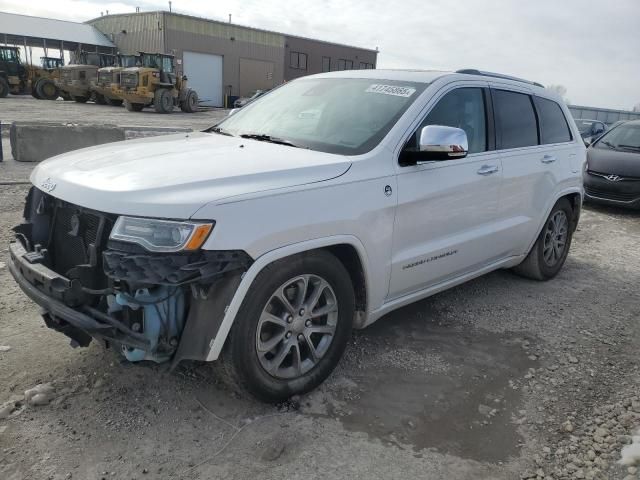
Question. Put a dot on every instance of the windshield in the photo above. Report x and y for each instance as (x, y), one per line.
(623, 137)
(349, 116)
(10, 55)
(128, 60)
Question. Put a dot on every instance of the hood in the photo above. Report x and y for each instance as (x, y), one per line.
(614, 162)
(173, 176)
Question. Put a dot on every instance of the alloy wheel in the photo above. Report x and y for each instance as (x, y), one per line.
(555, 238)
(296, 326)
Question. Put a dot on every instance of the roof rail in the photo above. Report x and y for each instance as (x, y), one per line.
(473, 71)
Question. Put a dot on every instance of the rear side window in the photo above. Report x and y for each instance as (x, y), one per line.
(553, 124)
(516, 120)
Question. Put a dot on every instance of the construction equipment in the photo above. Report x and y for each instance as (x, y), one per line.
(106, 87)
(18, 78)
(43, 79)
(155, 83)
(76, 79)
(13, 74)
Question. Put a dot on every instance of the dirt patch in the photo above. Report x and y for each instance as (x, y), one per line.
(450, 412)
(480, 381)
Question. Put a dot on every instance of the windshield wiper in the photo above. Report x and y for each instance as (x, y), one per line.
(219, 130)
(630, 147)
(261, 137)
(609, 144)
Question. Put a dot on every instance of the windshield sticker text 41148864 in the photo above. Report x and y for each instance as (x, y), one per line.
(391, 90)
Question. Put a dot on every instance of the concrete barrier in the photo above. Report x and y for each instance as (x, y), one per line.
(36, 141)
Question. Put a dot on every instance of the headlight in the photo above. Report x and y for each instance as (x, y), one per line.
(161, 235)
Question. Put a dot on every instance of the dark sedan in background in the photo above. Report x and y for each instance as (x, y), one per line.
(612, 173)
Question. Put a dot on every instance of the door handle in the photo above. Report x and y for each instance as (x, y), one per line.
(488, 169)
(548, 159)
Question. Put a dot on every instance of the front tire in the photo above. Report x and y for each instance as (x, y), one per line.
(550, 251)
(133, 107)
(190, 102)
(47, 90)
(163, 101)
(4, 88)
(292, 327)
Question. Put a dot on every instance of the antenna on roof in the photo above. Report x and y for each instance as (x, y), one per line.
(137, 9)
(229, 18)
(169, 6)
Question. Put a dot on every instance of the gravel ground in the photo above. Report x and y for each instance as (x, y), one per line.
(500, 378)
(26, 108)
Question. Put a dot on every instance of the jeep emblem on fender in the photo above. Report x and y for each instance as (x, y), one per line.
(388, 190)
(47, 185)
(613, 178)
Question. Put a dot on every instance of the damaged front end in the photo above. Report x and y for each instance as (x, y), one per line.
(93, 282)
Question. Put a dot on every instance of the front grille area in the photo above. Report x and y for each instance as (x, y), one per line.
(620, 178)
(72, 235)
(610, 195)
(129, 80)
(66, 238)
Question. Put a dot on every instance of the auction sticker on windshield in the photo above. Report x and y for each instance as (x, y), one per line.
(391, 90)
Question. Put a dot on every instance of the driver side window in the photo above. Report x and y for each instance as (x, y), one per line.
(461, 108)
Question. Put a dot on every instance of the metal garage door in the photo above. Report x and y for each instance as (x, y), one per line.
(255, 75)
(204, 72)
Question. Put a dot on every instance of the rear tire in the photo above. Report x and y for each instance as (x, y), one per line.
(163, 101)
(4, 88)
(315, 281)
(133, 107)
(79, 99)
(550, 251)
(34, 90)
(47, 90)
(190, 102)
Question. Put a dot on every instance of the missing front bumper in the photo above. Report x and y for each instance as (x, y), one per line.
(212, 282)
(59, 316)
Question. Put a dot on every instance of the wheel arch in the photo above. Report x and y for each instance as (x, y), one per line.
(347, 248)
(574, 195)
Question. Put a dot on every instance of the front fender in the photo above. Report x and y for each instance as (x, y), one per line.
(231, 311)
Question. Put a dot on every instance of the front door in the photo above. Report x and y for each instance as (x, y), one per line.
(446, 218)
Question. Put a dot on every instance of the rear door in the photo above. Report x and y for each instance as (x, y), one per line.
(536, 150)
(447, 210)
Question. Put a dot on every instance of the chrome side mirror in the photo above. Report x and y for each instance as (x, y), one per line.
(232, 111)
(438, 142)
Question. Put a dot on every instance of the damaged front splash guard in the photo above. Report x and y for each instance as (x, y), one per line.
(207, 310)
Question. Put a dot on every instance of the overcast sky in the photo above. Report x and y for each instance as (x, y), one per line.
(589, 46)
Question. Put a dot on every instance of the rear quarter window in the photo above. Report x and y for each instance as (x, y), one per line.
(516, 120)
(553, 124)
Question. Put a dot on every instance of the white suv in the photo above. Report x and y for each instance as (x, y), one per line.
(321, 206)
